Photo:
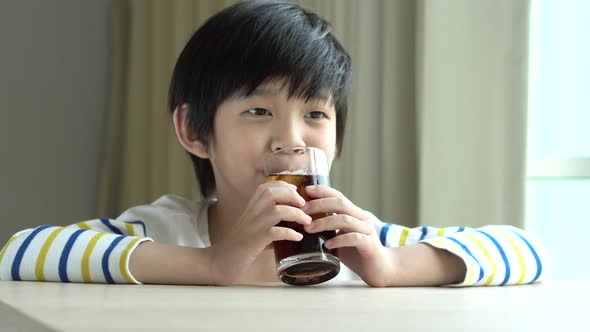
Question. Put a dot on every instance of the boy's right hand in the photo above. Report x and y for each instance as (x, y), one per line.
(256, 229)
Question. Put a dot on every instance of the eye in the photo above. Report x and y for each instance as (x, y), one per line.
(316, 115)
(258, 111)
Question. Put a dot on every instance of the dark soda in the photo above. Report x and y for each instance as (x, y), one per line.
(305, 271)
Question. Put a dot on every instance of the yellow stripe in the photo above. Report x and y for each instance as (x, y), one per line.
(129, 228)
(403, 237)
(518, 253)
(6, 247)
(441, 232)
(470, 264)
(487, 254)
(40, 265)
(83, 225)
(123, 261)
(86, 257)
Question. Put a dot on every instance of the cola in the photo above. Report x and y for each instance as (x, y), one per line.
(308, 261)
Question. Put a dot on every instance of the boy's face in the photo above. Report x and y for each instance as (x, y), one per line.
(247, 129)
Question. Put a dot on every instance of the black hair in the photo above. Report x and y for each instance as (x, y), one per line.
(248, 44)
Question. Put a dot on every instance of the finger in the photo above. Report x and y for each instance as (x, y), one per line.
(334, 204)
(289, 213)
(343, 222)
(321, 191)
(278, 194)
(358, 240)
(274, 184)
(279, 184)
(277, 233)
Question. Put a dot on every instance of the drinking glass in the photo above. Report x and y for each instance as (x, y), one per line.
(308, 261)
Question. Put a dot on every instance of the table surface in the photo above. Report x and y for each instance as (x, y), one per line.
(344, 306)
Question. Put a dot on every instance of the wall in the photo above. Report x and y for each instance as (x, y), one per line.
(54, 78)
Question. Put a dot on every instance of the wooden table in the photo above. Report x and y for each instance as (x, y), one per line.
(351, 306)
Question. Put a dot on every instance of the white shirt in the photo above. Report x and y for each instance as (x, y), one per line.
(176, 220)
(98, 250)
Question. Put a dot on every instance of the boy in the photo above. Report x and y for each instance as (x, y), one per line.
(256, 78)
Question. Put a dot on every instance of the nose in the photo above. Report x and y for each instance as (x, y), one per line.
(286, 133)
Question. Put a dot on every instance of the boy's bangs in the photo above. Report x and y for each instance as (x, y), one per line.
(281, 45)
(305, 88)
(298, 69)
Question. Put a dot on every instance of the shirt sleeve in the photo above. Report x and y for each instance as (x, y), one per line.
(493, 255)
(93, 251)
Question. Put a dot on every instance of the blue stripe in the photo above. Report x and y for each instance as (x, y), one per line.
(461, 229)
(503, 254)
(15, 271)
(383, 233)
(105, 260)
(423, 233)
(470, 254)
(107, 223)
(65, 254)
(139, 222)
(537, 259)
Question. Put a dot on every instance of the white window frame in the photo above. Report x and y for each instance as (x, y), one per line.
(558, 168)
(562, 231)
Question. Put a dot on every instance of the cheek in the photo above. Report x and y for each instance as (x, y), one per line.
(238, 148)
(328, 142)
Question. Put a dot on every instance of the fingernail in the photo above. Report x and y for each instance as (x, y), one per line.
(311, 188)
(308, 218)
(292, 186)
(305, 207)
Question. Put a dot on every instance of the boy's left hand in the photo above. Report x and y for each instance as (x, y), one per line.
(356, 238)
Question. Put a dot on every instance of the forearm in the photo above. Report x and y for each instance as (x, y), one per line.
(424, 265)
(158, 263)
(493, 255)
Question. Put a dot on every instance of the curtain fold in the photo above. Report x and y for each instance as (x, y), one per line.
(437, 114)
(109, 184)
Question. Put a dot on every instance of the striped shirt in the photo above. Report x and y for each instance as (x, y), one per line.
(99, 250)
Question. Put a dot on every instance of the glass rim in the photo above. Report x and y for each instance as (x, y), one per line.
(292, 148)
(314, 154)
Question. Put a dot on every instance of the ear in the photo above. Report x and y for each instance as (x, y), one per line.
(187, 135)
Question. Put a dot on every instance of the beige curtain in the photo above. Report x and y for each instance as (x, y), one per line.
(472, 104)
(437, 121)
(142, 158)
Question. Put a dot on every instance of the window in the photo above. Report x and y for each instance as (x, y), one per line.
(558, 167)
